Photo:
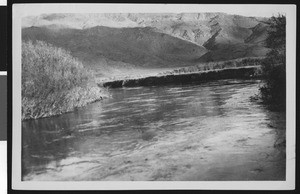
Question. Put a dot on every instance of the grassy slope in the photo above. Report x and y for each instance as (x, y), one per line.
(53, 82)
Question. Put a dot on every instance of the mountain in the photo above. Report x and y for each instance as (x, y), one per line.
(152, 39)
(142, 47)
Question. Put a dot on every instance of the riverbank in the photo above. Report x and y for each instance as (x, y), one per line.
(187, 78)
(54, 82)
(61, 102)
(65, 101)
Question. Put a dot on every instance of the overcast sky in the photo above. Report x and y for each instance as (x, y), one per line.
(262, 10)
(258, 11)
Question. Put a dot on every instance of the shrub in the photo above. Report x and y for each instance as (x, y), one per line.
(47, 69)
(51, 81)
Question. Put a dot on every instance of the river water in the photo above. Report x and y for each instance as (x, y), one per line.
(209, 131)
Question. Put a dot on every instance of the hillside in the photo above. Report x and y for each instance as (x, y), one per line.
(141, 47)
(224, 36)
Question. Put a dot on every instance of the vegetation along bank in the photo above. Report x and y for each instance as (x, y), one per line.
(54, 82)
(186, 78)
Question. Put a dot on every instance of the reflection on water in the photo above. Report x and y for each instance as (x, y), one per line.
(210, 131)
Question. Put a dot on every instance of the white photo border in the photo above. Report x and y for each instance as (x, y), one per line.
(21, 10)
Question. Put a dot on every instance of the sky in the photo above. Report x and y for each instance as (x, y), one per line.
(261, 10)
(257, 11)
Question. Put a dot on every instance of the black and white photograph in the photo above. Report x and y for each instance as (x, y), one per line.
(156, 93)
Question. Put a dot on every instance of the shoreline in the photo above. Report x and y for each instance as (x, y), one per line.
(85, 96)
(69, 101)
(246, 72)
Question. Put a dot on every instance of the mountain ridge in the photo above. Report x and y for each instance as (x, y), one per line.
(152, 39)
(189, 26)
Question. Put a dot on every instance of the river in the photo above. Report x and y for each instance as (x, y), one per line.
(207, 131)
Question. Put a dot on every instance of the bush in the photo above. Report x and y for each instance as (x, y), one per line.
(47, 69)
(53, 82)
(273, 92)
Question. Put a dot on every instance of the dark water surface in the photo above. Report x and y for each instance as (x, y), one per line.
(210, 131)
